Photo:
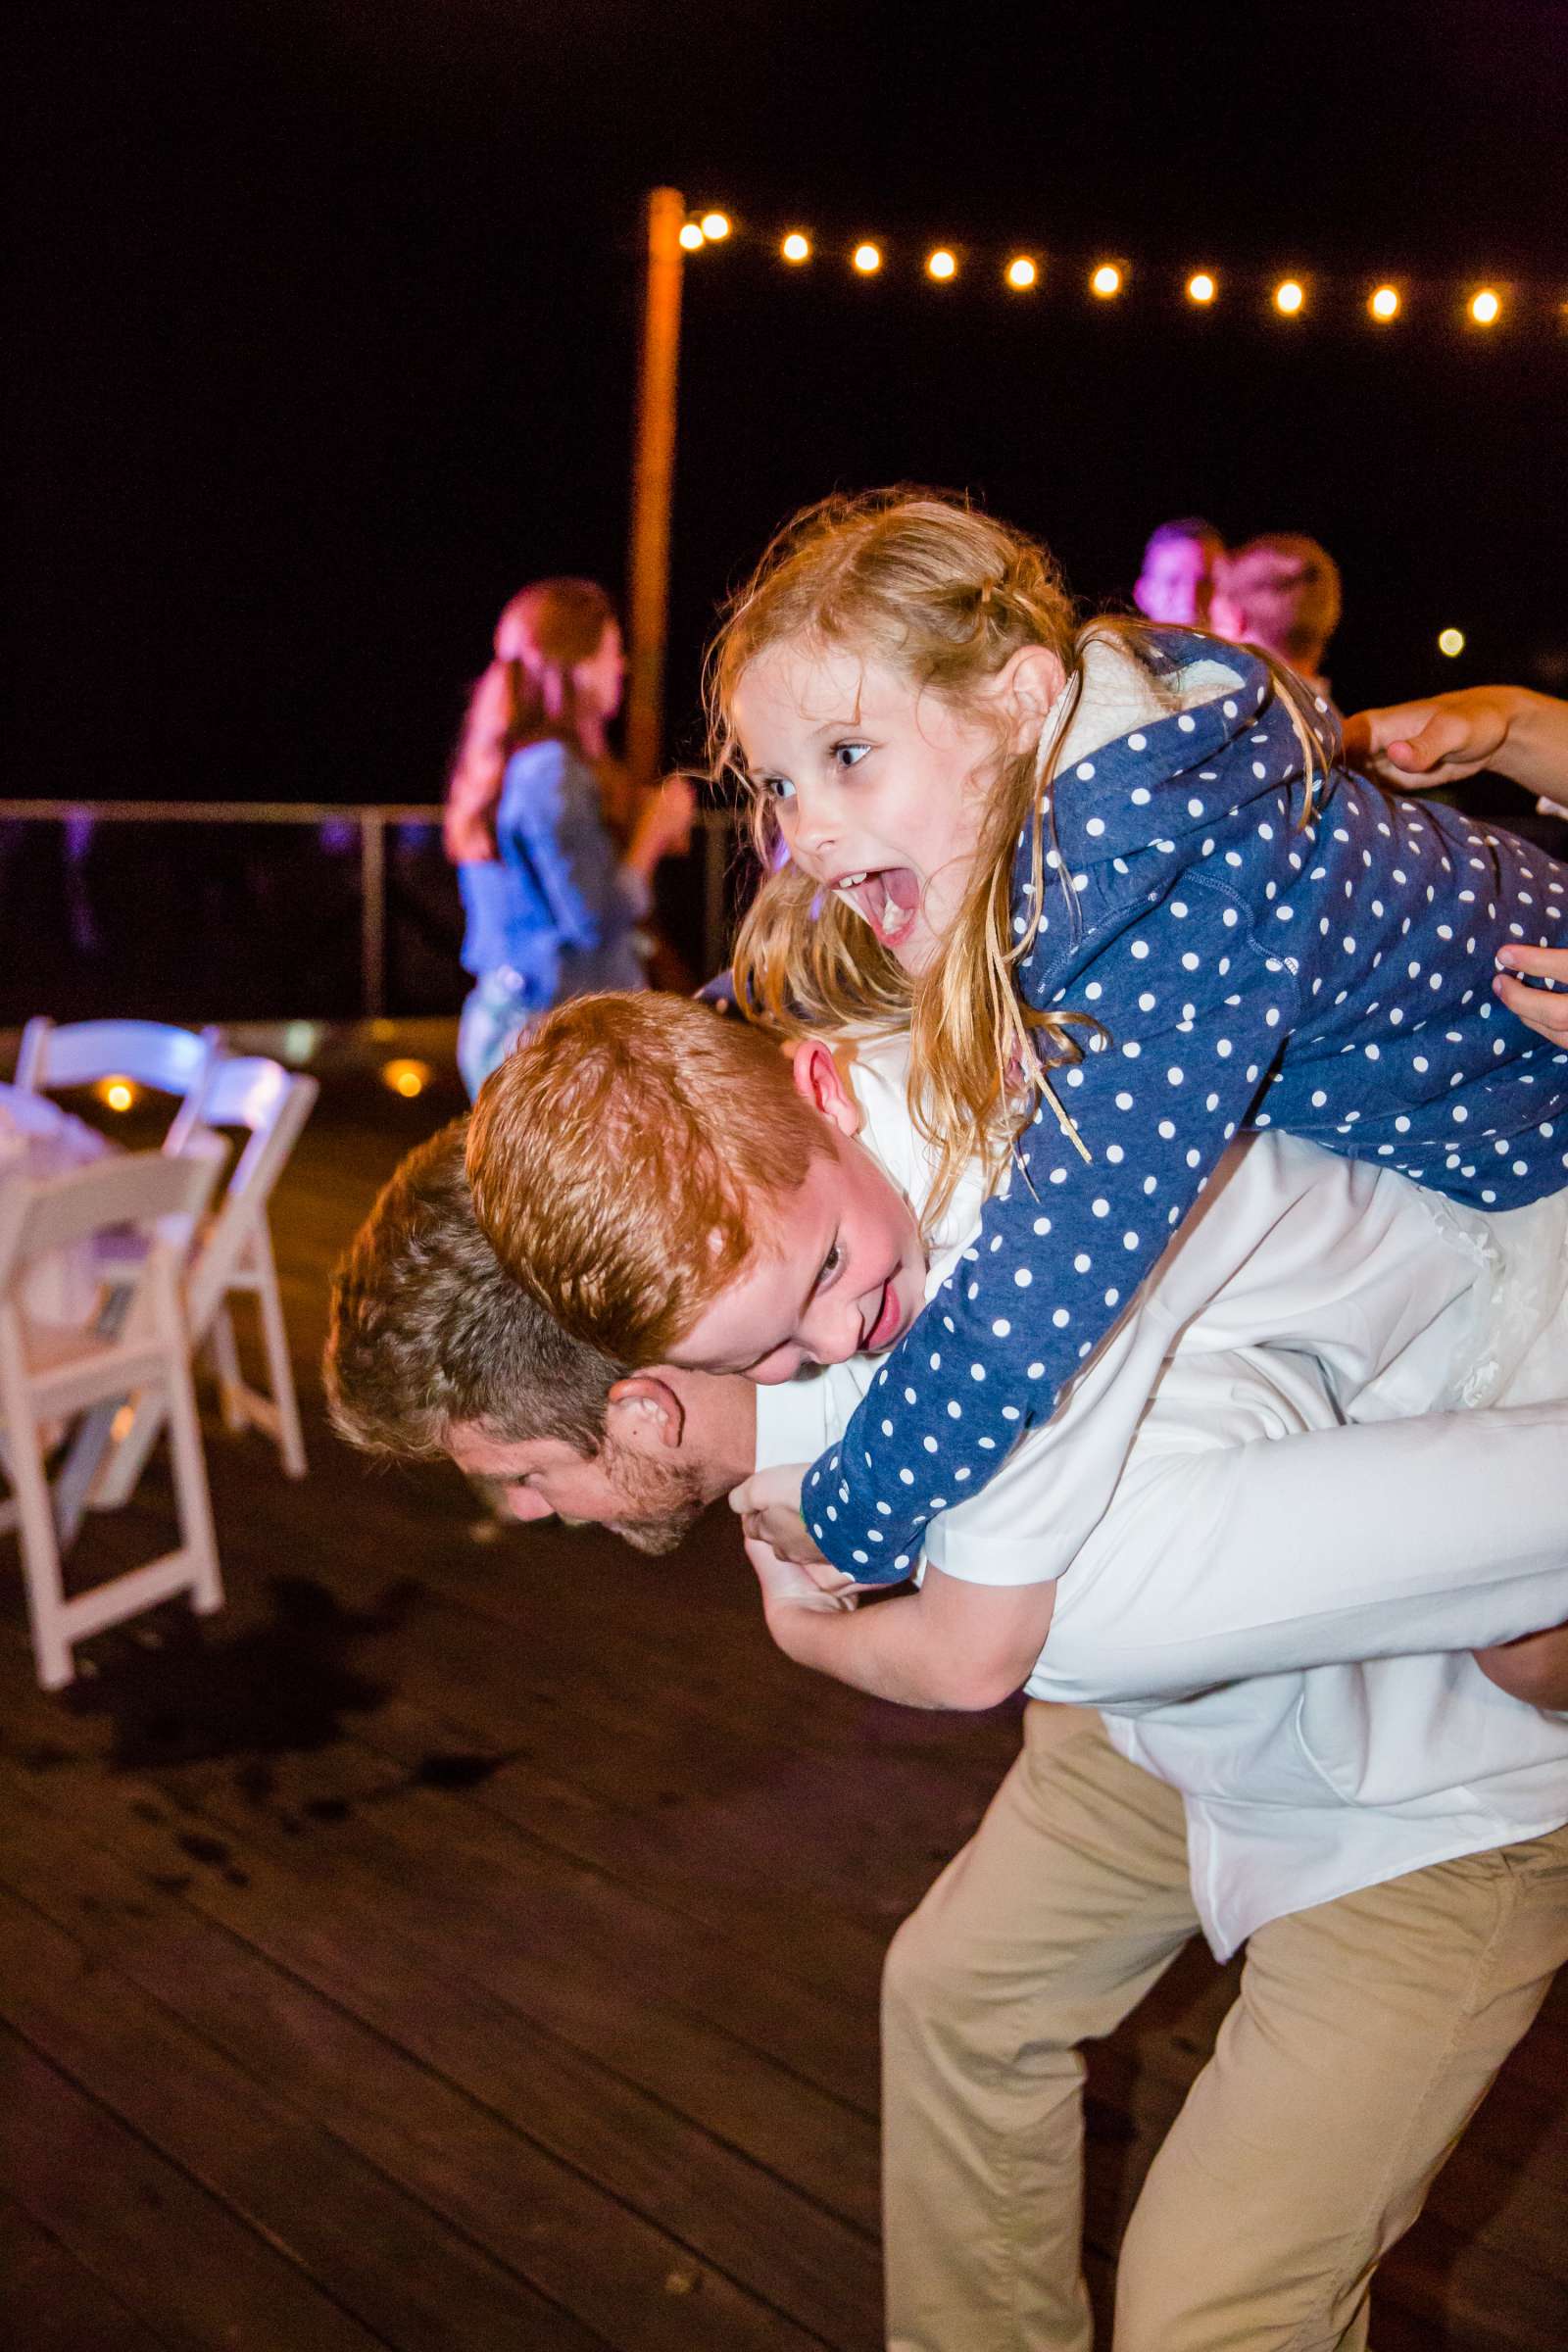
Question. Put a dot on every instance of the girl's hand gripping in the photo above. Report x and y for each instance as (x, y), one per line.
(769, 1504)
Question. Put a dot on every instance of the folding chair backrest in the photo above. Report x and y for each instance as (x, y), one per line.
(152, 1053)
(134, 1188)
(272, 1104)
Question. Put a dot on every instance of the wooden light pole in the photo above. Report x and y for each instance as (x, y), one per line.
(652, 489)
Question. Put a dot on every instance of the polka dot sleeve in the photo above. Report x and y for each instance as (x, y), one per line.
(1187, 1039)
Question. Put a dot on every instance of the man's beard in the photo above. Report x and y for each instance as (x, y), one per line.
(666, 1499)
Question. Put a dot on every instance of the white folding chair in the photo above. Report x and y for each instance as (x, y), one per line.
(50, 1375)
(231, 1256)
(152, 1053)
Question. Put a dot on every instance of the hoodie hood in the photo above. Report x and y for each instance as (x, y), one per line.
(1158, 749)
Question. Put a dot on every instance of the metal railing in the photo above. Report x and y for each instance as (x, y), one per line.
(716, 829)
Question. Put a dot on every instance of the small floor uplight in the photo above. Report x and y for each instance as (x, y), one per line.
(691, 237)
(1289, 297)
(116, 1093)
(867, 259)
(1201, 287)
(1451, 641)
(942, 264)
(1486, 307)
(1105, 281)
(1021, 273)
(796, 248)
(1383, 304)
(714, 226)
(406, 1078)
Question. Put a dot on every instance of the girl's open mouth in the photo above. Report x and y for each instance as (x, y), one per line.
(888, 898)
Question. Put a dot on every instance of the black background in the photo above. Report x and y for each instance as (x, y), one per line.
(328, 312)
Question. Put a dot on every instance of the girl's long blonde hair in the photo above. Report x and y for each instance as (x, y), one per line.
(525, 694)
(946, 596)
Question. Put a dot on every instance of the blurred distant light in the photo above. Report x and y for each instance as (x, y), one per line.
(406, 1078)
(300, 1040)
(1021, 273)
(796, 248)
(1201, 288)
(941, 263)
(1289, 296)
(116, 1093)
(1485, 307)
(1451, 641)
(1385, 303)
(714, 226)
(1105, 281)
(868, 258)
(691, 236)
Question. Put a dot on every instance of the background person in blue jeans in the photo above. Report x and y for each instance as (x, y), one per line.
(552, 902)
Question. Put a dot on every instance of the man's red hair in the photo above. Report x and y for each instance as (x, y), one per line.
(623, 1158)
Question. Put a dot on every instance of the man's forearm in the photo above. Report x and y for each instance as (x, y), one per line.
(1534, 750)
(966, 1649)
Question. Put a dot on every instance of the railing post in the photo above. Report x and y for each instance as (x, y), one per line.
(373, 912)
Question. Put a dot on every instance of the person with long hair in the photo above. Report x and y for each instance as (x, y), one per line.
(552, 902)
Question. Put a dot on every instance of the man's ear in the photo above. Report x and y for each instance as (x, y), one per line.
(645, 1413)
(820, 1082)
(1029, 685)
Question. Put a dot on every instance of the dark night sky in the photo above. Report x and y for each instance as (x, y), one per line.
(327, 317)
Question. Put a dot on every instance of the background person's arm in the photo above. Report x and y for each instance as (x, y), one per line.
(1446, 737)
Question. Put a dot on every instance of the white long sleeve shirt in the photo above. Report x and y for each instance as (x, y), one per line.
(1272, 1610)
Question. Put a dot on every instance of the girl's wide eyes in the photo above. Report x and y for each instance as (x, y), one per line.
(850, 755)
(778, 788)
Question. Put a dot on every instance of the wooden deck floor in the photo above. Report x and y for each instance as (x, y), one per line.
(458, 1947)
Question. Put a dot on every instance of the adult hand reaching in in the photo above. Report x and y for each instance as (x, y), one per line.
(1447, 737)
(1544, 1011)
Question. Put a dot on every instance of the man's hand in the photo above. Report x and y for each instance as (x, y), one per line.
(788, 1587)
(1438, 741)
(1547, 1015)
(770, 1507)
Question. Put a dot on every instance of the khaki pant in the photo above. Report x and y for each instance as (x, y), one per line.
(1366, 2034)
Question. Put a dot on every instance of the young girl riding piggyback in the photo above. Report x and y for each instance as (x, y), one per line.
(1111, 880)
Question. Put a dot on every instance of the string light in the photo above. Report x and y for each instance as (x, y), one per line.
(1105, 280)
(406, 1078)
(117, 1094)
(1451, 641)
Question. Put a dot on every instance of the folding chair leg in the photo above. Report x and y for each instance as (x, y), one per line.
(40, 1554)
(192, 1497)
(279, 1371)
(225, 1363)
(126, 1458)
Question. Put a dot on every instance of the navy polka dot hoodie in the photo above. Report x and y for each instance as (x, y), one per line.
(1243, 972)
